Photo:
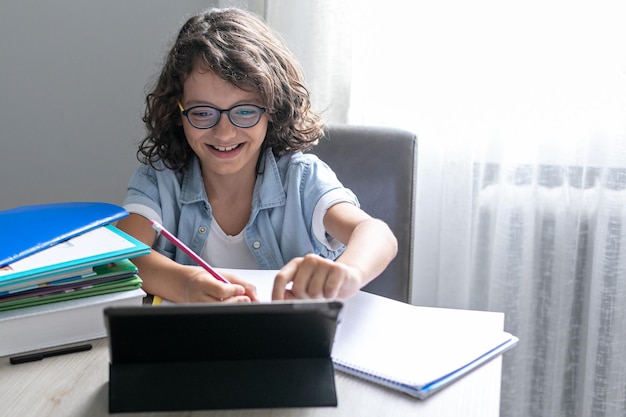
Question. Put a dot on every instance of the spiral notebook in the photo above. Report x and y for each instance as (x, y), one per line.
(416, 350)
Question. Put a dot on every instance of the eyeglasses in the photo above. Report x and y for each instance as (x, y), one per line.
(205, 117)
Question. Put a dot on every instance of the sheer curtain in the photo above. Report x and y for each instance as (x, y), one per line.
(520, 110)
(317, 34)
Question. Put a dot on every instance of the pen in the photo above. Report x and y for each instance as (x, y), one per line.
(32, 357)
(160, 229)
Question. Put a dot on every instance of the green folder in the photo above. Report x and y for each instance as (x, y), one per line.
(125, 284)
(98, 274)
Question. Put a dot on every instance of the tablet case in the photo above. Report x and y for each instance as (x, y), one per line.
(222, 356)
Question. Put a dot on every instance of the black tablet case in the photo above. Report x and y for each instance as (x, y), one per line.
(197, 357)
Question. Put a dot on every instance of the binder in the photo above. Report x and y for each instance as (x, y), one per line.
(28, 229)
(220, 356)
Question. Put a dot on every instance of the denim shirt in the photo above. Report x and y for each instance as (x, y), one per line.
(280, 225)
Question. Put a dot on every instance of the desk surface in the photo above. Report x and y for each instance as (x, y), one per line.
(77, 385)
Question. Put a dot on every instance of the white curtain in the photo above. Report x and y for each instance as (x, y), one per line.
(316, 33)
(520, 110)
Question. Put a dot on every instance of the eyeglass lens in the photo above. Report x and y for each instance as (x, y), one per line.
(204, 117)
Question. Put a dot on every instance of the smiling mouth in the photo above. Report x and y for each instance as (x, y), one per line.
(225, 148)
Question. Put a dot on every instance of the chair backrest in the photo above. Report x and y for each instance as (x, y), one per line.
(379, 165)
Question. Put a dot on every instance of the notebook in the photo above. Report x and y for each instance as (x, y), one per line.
(221, 356)
(412, 349)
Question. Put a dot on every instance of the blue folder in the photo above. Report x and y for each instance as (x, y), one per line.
(29, 229)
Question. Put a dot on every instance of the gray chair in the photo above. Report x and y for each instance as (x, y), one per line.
(379, 165)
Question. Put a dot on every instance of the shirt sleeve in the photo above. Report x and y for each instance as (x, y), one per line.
(144, 211)
(143, 195)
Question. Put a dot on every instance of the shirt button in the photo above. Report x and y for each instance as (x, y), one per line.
(256, 245)
(202, 229)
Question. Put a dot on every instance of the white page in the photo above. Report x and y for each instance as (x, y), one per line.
(91, 243)
(263, 280)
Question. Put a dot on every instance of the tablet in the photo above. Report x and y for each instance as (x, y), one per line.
(221, 356)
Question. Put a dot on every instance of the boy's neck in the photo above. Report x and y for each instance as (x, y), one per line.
(231, 202)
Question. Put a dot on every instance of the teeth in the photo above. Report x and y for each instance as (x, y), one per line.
(225, 149)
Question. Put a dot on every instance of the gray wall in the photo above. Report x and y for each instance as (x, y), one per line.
(73, 76)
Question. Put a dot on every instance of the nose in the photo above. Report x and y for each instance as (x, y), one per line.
(224, 129)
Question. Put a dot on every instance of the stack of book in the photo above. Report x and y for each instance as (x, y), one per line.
(61, 264)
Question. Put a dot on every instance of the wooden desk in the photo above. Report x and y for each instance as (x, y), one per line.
(77, 385)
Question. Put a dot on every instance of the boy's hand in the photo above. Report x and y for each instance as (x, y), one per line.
(316, 277)
(205, 288)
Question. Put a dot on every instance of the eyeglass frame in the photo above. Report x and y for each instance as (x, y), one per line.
(185, 112)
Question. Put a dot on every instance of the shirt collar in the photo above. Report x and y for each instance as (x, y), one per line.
(192, 189)
(268, 190)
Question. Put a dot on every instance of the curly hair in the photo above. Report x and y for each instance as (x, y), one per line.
(239, 48)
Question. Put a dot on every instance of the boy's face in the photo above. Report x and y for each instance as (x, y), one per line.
(224, 149)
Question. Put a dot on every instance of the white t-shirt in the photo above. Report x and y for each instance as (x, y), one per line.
(225, 251)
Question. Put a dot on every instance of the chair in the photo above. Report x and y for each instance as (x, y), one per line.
(379, 165)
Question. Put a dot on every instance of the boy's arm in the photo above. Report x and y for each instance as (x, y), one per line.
(175, 282)
(370, 246)
(370, 243)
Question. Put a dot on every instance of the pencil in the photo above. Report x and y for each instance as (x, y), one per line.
(160, 229)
